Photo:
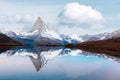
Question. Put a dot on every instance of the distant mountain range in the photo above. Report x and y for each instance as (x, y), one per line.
(41, 34)
(102, 36)
(75, 39)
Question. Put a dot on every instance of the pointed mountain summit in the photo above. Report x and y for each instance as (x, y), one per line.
(38, 24)
(41, 34)
(46, 36)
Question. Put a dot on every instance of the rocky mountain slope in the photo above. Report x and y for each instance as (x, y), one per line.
(7, 41)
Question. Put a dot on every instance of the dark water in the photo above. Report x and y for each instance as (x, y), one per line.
(56, 63)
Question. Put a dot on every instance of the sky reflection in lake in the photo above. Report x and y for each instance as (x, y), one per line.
(48, 63)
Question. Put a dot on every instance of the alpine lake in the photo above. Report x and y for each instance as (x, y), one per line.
(56, 63)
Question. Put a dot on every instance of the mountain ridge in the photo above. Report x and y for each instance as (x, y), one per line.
(41, 34)
(7, 41)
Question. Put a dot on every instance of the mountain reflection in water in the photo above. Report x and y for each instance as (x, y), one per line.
(56, 63)
(40, 55)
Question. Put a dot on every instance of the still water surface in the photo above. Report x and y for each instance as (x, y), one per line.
(56, 63)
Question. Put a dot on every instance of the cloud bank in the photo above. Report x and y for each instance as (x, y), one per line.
(16, 22)
(21, 18)
(81, 16)
(73, 18)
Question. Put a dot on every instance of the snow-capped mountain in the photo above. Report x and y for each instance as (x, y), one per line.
(101, 36)
(71, 39)
(114, 34)
(28, 39)
(46, 35)
(41, 34)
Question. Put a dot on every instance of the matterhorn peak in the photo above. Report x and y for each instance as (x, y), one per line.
(38, 24)
(45, 34)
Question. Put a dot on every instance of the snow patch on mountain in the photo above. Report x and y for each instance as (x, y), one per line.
(71, 39)
(101, 36)
(40, 35)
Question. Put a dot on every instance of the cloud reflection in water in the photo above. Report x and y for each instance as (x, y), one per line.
(56, 63)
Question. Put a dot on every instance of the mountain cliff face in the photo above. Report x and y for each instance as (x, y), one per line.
(46, 36)
(7, 41)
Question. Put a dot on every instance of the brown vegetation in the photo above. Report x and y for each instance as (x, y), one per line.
(109, 47)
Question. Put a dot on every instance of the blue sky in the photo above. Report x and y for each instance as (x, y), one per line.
(20, 15)
(108, 7)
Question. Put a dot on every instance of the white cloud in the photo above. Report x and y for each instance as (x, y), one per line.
(73, 19)
(75, 14)
(16, 22)
(73, 30)
(16, 19)
(21, 18)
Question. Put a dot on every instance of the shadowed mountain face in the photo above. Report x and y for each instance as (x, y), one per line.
(7, 41)
(109, 46)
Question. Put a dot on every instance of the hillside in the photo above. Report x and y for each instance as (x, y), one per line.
(110, 46)
(7, 41)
